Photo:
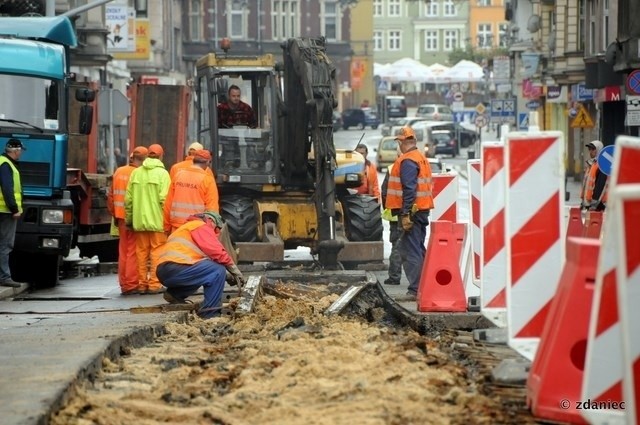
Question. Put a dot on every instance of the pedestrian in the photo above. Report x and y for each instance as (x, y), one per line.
(395, 260)
(10, 206)
(594, 183)
(370, 185)
(409, 196)
(192, 191)
(144, 201)
(127, 262)
(188, 161)
(194, 257)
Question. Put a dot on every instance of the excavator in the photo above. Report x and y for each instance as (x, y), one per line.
(282, 183)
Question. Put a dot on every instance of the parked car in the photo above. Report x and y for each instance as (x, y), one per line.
(337, 121)
(445, 143)
(386, 152)
(360, 119)
(395, 106)
(392, 128)
(435, 112)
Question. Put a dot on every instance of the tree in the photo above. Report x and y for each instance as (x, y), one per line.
(480, 56)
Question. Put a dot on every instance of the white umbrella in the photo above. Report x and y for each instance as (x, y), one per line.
(380, 69)
(410, 71)
(438, 69)
(463, 72)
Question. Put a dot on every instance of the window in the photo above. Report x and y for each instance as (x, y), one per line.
(485, 36)
(378, 41)
(394, 7)
(395, 40)
(195, 20)
(592, 29)
(484, 2)
(431, 9)
(330, 17)
(377, 7)
(581, 24)
(450, 39)
(236, 19)
(431, 41)
(605, 24)
(284, 19)
(449, 9)
(503, 33)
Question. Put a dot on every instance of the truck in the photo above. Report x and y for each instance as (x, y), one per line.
(64, 202)
(283, 184)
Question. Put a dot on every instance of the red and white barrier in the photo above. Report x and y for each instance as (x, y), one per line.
(493, 259)
(445, 198)
(534, 164)
(603, 364)
(475, 187)
(627, 210)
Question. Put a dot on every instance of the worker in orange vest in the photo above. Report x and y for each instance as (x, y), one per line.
(370, 185)
(192, 191)
(127, 263)
(194, 257)
(188, 161)
(410, 197)
(594, 183)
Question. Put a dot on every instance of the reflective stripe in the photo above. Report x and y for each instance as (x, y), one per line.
(187, 244)
(189, 205)
(174, 254)
(118, 203)
(119, 192)
(176, 214)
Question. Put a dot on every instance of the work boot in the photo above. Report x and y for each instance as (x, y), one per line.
(391, 282)
(160, 290)
(173, 300)
(134, 291)
(10, 283)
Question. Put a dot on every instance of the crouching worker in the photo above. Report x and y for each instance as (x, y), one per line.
(194, 257)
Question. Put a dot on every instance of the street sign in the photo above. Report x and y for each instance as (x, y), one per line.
(480, 108)
(523, 121)
(582, 120)
(633, 82)
(633, 111)
(120, 107)
(533, 104)
(457, 106)
(605, 159)
(458, 96)
(481, 121)
(503, 111)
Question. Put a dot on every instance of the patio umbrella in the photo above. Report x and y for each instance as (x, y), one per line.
(381, 69)
(410, 71)
(463, 72)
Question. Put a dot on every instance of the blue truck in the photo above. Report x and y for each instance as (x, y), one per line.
(35, 87)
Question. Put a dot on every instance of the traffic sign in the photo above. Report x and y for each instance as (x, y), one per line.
(605, 159)
(458, 96)
(112, 98)
(582, 120)
(481, 121)
(633, 82)
(523, 121)
(533, 104)
(480, 108)
(503, 111)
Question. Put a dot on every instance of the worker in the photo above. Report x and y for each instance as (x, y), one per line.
(409, 196)
(10, 206)
(188, 161)
(395, 260)
(234, 112)
(594, 182)
(370, 185)
(146, 193)
(194, 257)
(127, 263)
(192, 191)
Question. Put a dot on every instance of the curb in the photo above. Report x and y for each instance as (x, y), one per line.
(7, 292)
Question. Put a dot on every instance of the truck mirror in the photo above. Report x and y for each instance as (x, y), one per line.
(85, 95)
(85, 121)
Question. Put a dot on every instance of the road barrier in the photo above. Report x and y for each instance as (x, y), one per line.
(593, 224)
(445, 198)
(474, 179)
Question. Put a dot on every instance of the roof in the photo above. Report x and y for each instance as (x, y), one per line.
(34, 58)
(57, 29)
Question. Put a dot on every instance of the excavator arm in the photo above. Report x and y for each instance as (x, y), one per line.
(309, 119)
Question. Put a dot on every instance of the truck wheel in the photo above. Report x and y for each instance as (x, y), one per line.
(237, 211)
(362, 220)
(45, 275)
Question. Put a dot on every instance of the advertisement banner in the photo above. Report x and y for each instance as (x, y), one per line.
(557, 94)
(530, 63)
(142, 43)
(116, 19)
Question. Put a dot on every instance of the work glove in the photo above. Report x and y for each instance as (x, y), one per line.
(405, 222)
(234, 276)
(593, 205)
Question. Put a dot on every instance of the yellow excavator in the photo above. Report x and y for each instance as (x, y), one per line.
(282, 183)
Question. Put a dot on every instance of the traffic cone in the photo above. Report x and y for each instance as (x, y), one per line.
(575, 226)
(554, 384)
(593, 224)
(441, 287)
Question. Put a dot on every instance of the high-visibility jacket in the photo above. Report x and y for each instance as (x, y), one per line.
(585, 179)
(17, 187)
(370, 185)
(424, 187)
(192, 242)
(192, 191)
(146, 193)
(386, 213)
(115, 197)
(187, 163)
(590, 186)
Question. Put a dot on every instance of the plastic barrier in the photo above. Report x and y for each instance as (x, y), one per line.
(475, 192)
(604, 372)
(575, 227)
(445, 197)
(493, 256)
(535, 249)
(557, 370)
(593, 224)
(441, 287)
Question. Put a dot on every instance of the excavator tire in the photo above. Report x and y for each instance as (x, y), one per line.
(237, 211)
(363, 222)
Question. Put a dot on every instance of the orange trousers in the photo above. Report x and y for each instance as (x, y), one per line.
(127, 260)
(146, 243)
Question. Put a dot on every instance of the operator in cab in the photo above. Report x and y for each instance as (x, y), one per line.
(235, 112)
